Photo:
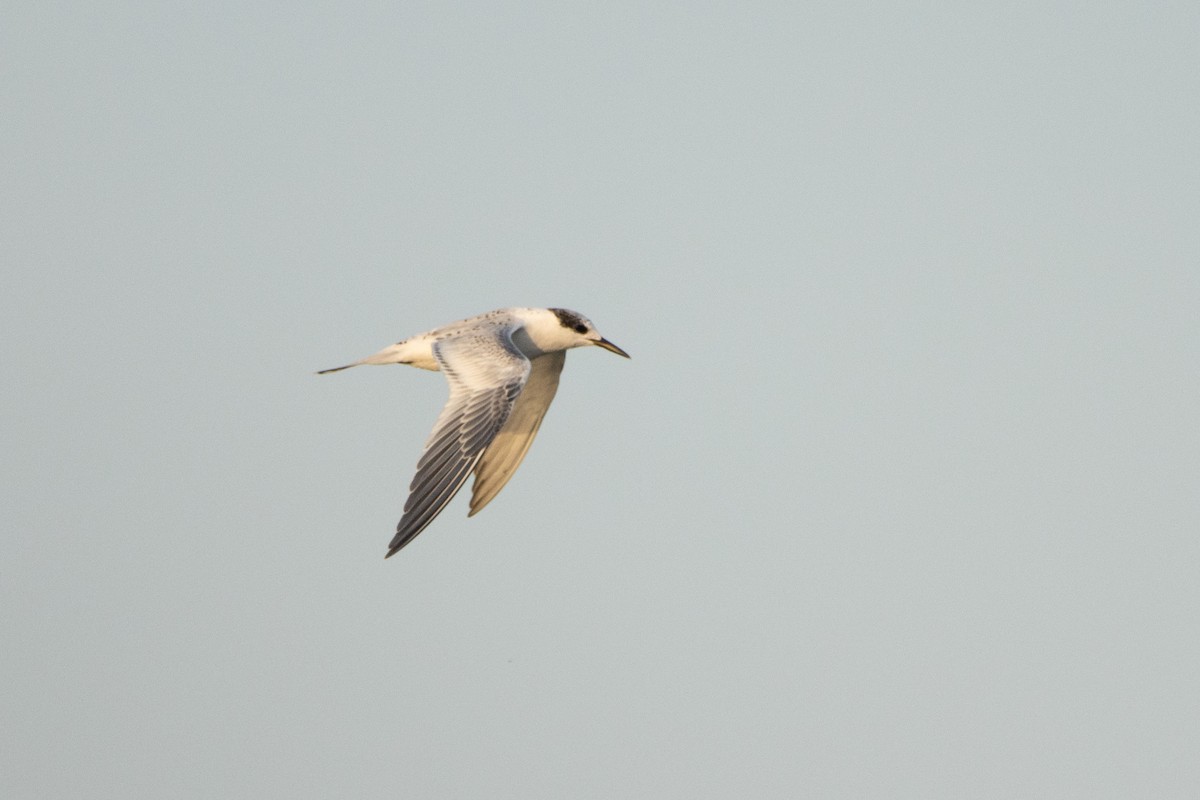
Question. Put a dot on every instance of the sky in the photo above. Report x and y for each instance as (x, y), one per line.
(898, 496)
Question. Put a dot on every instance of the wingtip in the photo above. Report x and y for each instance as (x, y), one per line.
(397, 544)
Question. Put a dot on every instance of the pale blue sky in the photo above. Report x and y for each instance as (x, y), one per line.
(898, 497)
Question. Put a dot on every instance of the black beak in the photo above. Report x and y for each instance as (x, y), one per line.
(610, 347)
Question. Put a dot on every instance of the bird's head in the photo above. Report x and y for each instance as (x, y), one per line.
(579, 331)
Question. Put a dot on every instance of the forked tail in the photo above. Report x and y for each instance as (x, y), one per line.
(338, 369)
(392, 354)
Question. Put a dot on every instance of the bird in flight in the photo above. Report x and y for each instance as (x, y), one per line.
(503, 370)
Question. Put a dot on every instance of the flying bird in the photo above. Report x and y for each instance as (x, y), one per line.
(503, 370)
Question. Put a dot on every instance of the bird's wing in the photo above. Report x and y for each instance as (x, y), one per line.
(506, 451)
(486, 373)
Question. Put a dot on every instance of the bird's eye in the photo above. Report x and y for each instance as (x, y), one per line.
(581, 328)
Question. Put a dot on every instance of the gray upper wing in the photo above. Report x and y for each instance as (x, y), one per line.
(486, 374)
(506, 451)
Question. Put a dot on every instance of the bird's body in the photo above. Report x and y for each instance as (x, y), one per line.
(503, 370)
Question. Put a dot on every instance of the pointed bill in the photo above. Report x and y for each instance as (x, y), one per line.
(610, 347)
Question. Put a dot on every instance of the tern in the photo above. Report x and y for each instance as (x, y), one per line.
(503, 370)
